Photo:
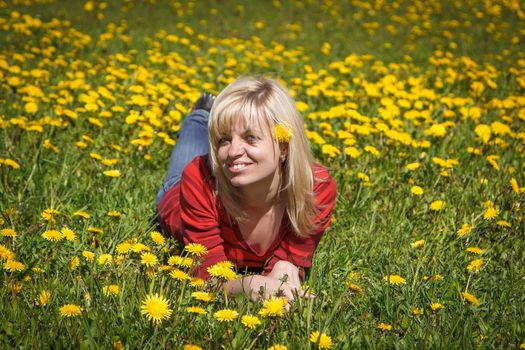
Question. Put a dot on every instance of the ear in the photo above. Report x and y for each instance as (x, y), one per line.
(283, 147)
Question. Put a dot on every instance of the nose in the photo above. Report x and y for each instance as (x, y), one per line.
(236, 148)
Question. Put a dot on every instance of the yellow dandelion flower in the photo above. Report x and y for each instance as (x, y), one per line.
(148, 259)
(13, 265)
(475, 265)
(302, 106)
(418, 244)
(196, 310)
(179, 275)
(282, 133)
(372, 150)
(31, 108)
(74, 263)
(174, 260)
(96, 230)
(5, 253)
(437, 306)
(493, 161)
(112, 173)
(89, 256)
(9, 162)
(111, 289)
(363, 176)
(197, 282)
(150, 272)
(50, 214)
(203, 296)
(436, 277)
(82, 214)
(191, 347)
(354, 276)
(514, 185)
(418, 191)
(8, 232)
(250, 321)
(68, 234)
(474, 250)
(48, 145)
(503, 223)
(105, 259)
(274, 307)
(330, 150)
(413, 166)
(81, 144)
(139, 247)
(196, 249)
(225, 315)
(356, 289)
(490, 213)
(14, 287)
(165, 268)
(222, 272)
(395, 279)
(384, 326)
(156, 308)
(70, 310)
(157, 238)
(437, 205)
(417, 311)
(110, 162)
(465, 229)
(43, 298)
(185, 262)
(352, 151)
(470, 298)
(52, 235)
(114, 214)
(225, 264)
(278, 347)
(322, 340)
(124, 247)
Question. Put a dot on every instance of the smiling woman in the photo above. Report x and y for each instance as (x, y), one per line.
(258, 199)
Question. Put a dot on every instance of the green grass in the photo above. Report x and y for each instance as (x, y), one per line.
(377, 53)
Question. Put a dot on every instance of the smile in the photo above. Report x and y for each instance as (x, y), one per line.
(238, 166)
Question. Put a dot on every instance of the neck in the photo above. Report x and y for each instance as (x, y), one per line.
(259, 198)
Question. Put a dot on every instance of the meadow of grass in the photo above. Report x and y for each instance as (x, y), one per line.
(417, 108)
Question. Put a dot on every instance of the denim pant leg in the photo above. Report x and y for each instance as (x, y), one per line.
(192, 141)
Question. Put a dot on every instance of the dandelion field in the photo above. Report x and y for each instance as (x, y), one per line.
(417, 108)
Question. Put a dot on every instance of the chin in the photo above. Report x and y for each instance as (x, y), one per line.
(237, 182)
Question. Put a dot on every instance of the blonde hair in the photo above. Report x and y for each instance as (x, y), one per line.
(265, 102)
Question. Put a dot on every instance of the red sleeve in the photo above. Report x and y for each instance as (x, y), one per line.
(300, 250)
(199, 214)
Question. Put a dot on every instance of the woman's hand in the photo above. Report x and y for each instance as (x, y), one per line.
(287, 272)
(282, 281)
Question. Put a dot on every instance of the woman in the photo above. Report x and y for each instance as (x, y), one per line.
(258, 199)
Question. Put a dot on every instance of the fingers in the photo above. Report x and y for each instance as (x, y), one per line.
(269, 287)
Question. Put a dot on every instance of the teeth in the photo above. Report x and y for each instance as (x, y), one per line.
(238, 166)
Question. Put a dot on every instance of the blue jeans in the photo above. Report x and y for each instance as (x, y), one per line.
(192, 141)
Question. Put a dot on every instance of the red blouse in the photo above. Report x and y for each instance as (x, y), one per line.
(190, 213)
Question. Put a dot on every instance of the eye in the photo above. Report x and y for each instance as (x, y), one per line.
(224, 140)
(251, 138)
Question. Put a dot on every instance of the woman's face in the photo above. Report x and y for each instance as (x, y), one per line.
(250, 157)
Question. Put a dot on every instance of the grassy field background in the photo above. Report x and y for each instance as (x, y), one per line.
(417, 108)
